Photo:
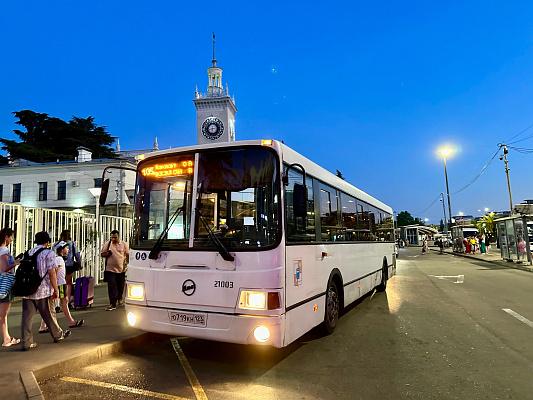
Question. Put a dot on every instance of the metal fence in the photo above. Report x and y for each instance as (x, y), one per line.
(86, 231)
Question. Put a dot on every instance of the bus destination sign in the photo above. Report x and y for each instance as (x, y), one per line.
(169, 169)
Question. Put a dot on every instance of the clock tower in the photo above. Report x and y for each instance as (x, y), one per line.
(215, 110)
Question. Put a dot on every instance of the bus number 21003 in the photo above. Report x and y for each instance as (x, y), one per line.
(224, 284)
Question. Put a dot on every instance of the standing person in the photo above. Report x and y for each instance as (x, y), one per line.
(424, 246)
(441, 246)
(115, 252)
(468, 245)
(71, 263)
(487, 243)
(7, 266)
(62, 249)
(39, 301)
(482, 246)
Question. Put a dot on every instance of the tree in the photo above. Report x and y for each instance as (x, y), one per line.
(405, 218)
(47, 138)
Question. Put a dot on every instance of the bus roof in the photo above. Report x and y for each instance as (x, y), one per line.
(289, 156)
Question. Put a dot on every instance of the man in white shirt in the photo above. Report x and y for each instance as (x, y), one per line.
(38, 302)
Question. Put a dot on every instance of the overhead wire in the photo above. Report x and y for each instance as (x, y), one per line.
(519, 133)
(481, 172)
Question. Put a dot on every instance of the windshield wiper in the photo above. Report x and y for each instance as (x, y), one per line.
(220, 247)
(154, 253)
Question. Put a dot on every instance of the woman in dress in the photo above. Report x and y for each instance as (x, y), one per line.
(7, 265)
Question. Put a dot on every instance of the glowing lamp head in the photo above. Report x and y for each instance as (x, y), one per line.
(261, 334)
(446, 151)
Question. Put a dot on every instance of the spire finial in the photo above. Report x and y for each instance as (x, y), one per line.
(214, 60)
(156, 144)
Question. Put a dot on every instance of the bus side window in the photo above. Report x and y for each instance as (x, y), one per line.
(299, 228)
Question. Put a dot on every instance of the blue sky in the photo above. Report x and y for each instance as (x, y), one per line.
(369, 88)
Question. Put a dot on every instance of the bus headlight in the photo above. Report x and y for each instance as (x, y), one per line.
(261, 333)
(253, 300)
(135, 291)
(259, 300)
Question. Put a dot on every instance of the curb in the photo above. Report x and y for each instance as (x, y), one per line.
(31, 386)
(500, 263)
(30, 378)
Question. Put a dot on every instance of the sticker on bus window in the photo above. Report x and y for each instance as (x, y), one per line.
(298, 272)
(249, 221)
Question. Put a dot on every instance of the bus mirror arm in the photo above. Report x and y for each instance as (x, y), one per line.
(105, 182)
(285, 178)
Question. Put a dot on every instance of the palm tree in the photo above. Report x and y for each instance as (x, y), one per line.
(490, 225)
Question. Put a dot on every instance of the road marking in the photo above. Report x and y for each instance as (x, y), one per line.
(518, 317)
(122, 388)
(458, 278)
(191, 376)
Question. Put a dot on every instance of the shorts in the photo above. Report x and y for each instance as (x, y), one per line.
(8, 299)
(62, 291)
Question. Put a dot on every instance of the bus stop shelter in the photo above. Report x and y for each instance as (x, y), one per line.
(515, 237)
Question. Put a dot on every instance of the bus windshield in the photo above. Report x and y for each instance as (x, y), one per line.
(237, 200)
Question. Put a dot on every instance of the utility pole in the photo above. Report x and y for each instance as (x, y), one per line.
(448, 192)
(506, 163)
(444, 210)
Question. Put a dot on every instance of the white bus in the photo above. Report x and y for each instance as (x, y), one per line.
(250, 242)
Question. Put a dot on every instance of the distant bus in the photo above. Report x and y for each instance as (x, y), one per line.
(250, 242)
(464, 231)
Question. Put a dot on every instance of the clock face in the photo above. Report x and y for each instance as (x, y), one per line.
(212, 128)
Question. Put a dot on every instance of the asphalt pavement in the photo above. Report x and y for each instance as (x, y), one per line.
(446, 328)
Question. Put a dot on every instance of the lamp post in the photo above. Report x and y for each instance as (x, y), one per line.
(446, 152)
(96, 260)
(444, 211)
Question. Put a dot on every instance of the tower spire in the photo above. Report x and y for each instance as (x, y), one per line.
(214, 60)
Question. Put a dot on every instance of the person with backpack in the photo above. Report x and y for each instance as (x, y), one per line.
(7, 270)
(38, 270)
(72, 262)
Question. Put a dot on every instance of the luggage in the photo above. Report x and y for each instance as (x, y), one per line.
(84, 292)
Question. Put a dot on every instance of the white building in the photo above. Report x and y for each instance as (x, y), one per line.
(66, 184)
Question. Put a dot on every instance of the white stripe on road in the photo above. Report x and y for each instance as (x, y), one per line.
(191, 376)
(122, 388)
(518, 317)
(458, 278)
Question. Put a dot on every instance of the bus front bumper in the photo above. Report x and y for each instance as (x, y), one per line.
(231, 328)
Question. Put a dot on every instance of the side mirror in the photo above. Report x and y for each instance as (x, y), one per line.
(299, 201)
(103, 193)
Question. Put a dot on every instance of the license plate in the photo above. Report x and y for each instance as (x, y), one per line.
(187, 319)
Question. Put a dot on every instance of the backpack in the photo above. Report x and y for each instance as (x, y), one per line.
(27, 278)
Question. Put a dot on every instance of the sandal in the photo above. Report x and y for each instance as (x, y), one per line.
(78, 323)
(11, 343)
(43, 331)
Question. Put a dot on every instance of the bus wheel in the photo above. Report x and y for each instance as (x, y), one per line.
(384, 277)
(331, 315)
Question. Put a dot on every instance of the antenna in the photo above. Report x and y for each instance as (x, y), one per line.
(214, 60)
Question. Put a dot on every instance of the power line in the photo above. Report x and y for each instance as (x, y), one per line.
(519, 133)
(521, 140)
(483, 169)
(430, 205)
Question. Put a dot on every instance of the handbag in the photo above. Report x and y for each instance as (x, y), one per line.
(7, 280)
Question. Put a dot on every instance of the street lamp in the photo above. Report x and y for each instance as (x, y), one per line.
(96, 262)
(445, 152)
